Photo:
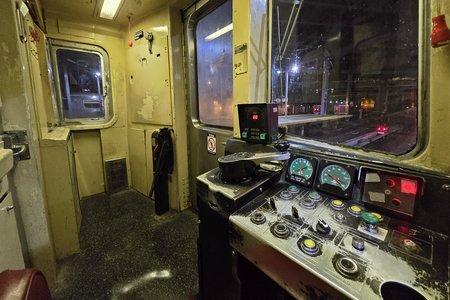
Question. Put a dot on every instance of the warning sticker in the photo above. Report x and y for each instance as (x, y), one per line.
(211, 143)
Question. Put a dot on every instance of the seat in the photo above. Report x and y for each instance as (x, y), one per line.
(23, 284)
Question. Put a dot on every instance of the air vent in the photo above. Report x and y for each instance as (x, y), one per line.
(116, 175)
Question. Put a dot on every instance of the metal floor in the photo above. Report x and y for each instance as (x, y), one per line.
(129, 253)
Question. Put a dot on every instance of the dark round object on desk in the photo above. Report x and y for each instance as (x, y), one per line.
(235, 169)
(391, 290)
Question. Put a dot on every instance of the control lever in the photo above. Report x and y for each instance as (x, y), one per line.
(272, 203)
(241, 165)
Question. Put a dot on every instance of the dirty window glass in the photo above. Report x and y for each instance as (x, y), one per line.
(215, 67)
(81, 82)
(346, 72)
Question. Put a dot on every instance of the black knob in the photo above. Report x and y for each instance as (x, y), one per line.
(295, 212)
(358, 243)
(282, 146)
(272, 203)
(322, 227)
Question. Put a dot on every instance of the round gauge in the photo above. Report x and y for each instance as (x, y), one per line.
(301, 168)
(337, 176)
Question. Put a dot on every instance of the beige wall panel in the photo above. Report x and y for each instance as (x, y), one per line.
(89, 162)
(182, 200)
(250, 18)
(138, 160)
(18, 113)
(60, 200)
(150, 86)
(148, 82)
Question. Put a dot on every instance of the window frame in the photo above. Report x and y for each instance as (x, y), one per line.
(55, 45)
(422, 95)
(191, 17)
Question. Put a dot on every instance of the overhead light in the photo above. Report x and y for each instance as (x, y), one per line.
(109, 9)
(219, 32)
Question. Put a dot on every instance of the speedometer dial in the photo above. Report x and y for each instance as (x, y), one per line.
(336, 178)
(301, 170)
(335, 175)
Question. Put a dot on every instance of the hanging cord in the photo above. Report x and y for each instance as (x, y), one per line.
(130, 42)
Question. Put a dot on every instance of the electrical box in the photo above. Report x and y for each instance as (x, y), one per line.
(258, 122)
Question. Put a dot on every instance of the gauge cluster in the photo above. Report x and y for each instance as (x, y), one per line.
(331, 177)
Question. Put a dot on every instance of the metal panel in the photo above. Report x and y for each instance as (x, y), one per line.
(138, 160)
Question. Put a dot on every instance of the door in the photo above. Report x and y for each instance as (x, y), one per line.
(208, 33)
(11, 256)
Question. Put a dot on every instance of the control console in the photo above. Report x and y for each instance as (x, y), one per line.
(314, 243)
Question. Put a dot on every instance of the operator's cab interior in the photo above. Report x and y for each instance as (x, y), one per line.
(229, 149)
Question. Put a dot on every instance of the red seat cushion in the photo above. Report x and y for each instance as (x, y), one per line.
(23, 284)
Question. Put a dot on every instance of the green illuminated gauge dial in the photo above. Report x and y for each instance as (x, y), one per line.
(336, 175)
(301, 168)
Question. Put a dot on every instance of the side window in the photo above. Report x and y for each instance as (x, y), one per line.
(82, 82)
(346, 72)
(215, 67)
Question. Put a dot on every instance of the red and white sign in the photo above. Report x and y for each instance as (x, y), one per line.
(211, 144)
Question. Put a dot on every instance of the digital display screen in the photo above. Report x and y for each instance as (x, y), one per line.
(255, 117)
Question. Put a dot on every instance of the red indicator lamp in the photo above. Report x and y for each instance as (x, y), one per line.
(408, 186)
(440, 35)
(255, 117)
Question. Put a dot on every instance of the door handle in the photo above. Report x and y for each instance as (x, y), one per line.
(7, 208)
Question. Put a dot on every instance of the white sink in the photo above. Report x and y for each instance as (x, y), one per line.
(6, 161)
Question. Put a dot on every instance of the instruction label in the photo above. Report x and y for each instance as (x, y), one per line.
(139, 35)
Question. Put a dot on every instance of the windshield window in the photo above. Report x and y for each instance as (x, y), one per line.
(346, 72)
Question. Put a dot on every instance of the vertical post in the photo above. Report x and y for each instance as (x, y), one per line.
(286, 94)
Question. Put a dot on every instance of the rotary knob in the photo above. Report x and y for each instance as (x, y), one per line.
(358, 243)
(322, 227)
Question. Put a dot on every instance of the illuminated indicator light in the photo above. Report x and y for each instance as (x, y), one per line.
(255, 117)
(408, 186)
(337, 202)
(309, 243)
(355, 208)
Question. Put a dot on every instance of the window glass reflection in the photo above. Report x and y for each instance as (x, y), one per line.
(346, 72)
(81, 84)
(215, 67)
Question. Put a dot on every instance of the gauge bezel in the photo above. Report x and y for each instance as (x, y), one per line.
(334, 190)
(298, 180)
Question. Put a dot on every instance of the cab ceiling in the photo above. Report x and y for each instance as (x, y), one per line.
(89, 9)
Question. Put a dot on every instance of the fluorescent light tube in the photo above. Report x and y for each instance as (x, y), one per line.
(109, 9)
(219, 32)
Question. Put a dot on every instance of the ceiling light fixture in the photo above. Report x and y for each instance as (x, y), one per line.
(219, 32)
(110, 8)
